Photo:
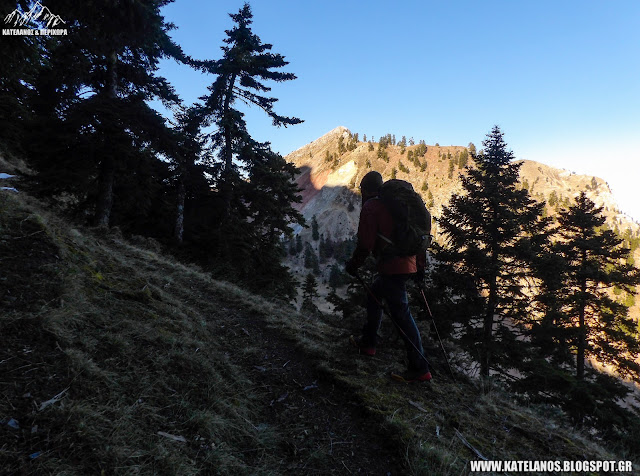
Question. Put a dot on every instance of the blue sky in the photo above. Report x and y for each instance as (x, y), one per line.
(561, 78)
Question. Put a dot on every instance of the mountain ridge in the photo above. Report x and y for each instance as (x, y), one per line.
(330, 174)
(346, 169)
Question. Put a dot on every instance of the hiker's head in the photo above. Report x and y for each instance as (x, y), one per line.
(370, 185)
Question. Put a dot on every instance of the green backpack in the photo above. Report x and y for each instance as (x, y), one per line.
(412, 220)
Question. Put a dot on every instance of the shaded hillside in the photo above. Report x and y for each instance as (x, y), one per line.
(123, 361)
(119, 360)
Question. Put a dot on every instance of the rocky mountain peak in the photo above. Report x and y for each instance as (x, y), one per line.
(333, 165)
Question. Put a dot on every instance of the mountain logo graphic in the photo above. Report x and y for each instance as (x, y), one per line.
(23, 23)
(37, 12)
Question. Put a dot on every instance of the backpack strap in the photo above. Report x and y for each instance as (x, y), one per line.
(385, 239)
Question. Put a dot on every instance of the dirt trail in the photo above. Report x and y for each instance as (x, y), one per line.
(322, 421)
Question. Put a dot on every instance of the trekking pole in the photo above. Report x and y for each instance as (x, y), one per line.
(388, 313)
(437, 333)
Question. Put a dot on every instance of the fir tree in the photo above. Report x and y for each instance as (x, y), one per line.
(463, 159)
(322, 255)
(595, 264)
(246, 62)
(578, 319)
(403, 145)
(311, 259)
(255, 185)
(341, 146)
(310, 294)
(486, 229)
(92, 97)
(315, 233)
(299, 246)
(326, 248)
(420, 150)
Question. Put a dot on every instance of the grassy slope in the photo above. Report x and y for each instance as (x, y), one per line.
(145, 348)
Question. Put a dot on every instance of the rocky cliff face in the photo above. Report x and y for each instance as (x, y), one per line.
(327, 190)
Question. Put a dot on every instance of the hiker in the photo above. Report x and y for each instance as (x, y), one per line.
(374, 234)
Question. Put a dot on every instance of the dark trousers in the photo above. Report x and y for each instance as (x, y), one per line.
(392, 289)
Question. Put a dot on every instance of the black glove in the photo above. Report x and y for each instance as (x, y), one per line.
(418, 278)
(351, 268)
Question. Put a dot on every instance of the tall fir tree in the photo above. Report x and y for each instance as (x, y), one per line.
(596, 263)
(94, 130)
(255, 185)
(246, 63)
(488, 230)
(578, 320)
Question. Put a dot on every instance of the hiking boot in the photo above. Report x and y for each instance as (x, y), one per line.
(370, 351)
(412, 376)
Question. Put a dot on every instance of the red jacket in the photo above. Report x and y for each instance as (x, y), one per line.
(375, 218)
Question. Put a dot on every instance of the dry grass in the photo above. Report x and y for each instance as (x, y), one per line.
(163, 370)
(139, 352)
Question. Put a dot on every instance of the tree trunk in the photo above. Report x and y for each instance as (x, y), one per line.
(582, 334)
(227, 191)
(487, 337)
(105, 192)
(107, 168)
(179, 228)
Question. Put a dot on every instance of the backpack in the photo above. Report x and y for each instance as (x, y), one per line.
(412, 220)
